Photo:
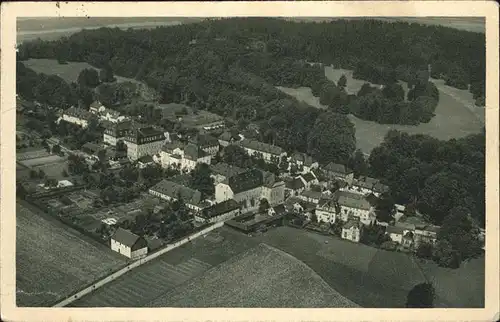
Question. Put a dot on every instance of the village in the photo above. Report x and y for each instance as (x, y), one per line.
(281, 188)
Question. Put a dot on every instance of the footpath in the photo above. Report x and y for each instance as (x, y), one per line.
(135, 264)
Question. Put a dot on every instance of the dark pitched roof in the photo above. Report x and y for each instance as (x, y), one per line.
(173, 189)
(171, 146)
(227, 136)
(79, 113)
(351, 223)
(352, 200)
(261, 147)
(294, 184)
(307, 160)
(96, 104)
(394, 230)
(226, 170)
(308, 177)
(220, 208)
(146, 159)
(337, 168)
(126, 237)
(204, 141)
(312, 194)
(366, 182)
(193, 152)
(245, 181)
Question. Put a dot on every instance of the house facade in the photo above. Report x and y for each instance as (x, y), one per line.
(294, 187)
(352, 230)
(129, 244)
(115, 131)
(170, 191)
(143, 141)
(309, 179)
(268, 152)
(77, 116)
(302, 161)
(326, 211)
(183, 156)
(219, 212)
(340, 172)
(248, 189)
(206, 143)
(222, 171)
(366, 185)
(355, 205)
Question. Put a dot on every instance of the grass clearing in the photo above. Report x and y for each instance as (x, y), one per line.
(69, 72)
(260, 277)
(456, 115)
(53, 260)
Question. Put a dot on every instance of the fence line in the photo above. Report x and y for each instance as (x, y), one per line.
(135, 264)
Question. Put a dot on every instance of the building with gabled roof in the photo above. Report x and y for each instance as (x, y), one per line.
(221, 171)
(354, 205)
(339, 171)
(366, 185)
(309, 179)
(77, 116)
(219, 212)
(143, 141)
(294, 186)
(249, 188)
(206, 142)
(351, 230)
(115, 131)
(303, 161)
(171, 191)
(227, 138)
(129, 244)
(326, 210)
(268, 152)
(183, 156)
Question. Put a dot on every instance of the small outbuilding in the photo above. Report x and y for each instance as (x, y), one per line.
(129, 244)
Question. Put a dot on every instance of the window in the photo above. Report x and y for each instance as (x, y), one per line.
(345, 234)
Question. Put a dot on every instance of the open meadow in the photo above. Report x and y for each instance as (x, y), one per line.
(260, 277)
(455, 116)
(69, 72)
(53, 260)
(366, 276)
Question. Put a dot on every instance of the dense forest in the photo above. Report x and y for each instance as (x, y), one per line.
(435, 176)
(218, 58)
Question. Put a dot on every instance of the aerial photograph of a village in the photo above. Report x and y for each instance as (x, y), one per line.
(250, 162)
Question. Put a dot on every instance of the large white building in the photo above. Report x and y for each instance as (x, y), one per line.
(143, 141)
(183, 156)
(354, 205)
(76, 116)
(129, 244)
(268, 152)
(249, 188)
(326, 211)
(115, 131)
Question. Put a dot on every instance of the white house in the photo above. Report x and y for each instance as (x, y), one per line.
(268, 152)
(143, 141)
(326, 211)
(248, 188)
(219, 212)
(129, 244)
(352, 230)
(304, 162)
(183, 156)
(309, 179)
(206, 143)
(355, 205)
(77, 116)
(339, 171)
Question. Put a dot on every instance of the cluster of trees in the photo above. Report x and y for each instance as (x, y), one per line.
(201, 180)
(433, 175)
(75, 136)
(458, 240)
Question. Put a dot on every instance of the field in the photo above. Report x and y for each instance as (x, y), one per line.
(260, 277)
(455, 116)
(69, 72)
(53, 260)
(365, 275)
(54, 28)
